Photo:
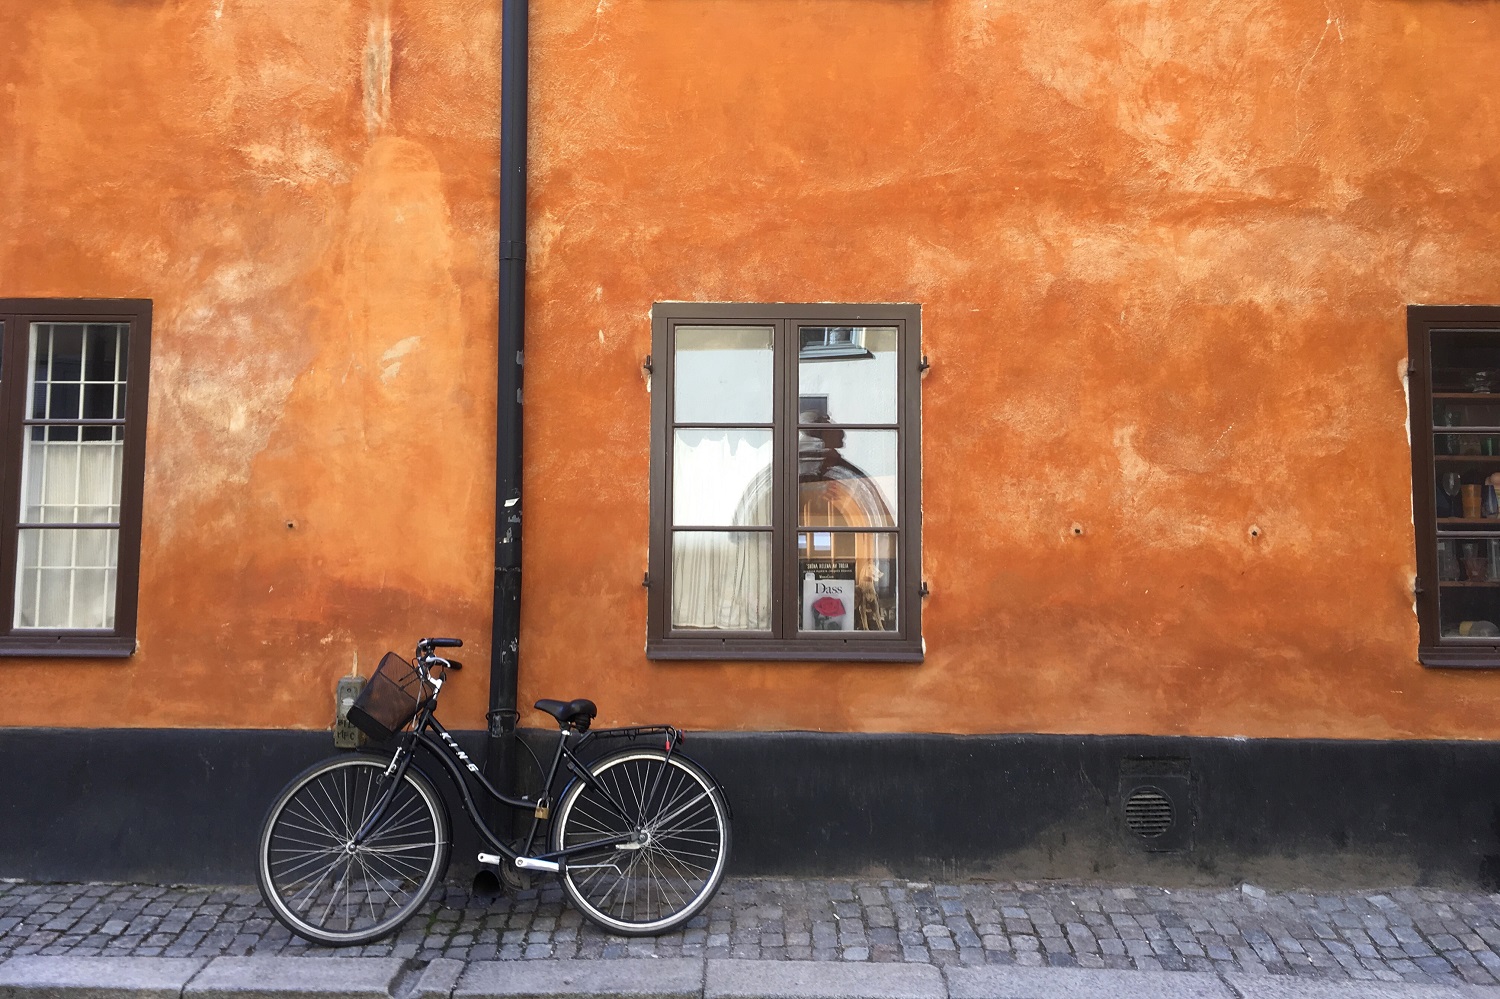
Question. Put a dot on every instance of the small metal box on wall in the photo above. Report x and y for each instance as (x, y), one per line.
(345, 735)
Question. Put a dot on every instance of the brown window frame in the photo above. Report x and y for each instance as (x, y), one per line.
(783, 642)
(1422, 321)
(17, 316)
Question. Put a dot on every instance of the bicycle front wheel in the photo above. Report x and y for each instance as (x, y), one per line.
(678, 846)
(325, 887)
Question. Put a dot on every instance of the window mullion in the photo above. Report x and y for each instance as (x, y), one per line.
(784, 456)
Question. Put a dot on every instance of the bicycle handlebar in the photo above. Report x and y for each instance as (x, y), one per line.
(440, 643)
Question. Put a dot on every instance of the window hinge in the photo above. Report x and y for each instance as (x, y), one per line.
(646, 579)
(922, 590)
(1417, 588)
(924, 365)
(1411, 366)
(646, 365)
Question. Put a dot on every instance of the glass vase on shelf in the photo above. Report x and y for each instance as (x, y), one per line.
(1452, 482)
(1447, 560)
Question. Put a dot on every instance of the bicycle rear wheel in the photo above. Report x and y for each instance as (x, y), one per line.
(678, 826)
(324, 887)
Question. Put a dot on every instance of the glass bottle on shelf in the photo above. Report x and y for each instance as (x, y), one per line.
(1450, 441)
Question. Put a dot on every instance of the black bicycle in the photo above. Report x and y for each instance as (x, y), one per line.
(354, 845)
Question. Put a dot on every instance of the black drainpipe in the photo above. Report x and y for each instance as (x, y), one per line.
(506, 628)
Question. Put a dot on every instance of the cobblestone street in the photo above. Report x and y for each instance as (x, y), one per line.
(1413, 935)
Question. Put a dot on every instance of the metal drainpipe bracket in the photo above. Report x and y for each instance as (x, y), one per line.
(503, 721)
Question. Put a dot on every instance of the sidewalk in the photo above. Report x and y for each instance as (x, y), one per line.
(815, 939)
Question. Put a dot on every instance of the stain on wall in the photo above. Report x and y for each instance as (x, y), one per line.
(1163, 251)
(308, 195)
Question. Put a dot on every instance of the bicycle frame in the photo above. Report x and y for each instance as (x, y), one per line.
(428, 733)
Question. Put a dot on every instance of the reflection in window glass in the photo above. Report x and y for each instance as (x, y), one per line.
(848, 581)
(721, 478)
(847, 382)
(846, 478)
(723, 374)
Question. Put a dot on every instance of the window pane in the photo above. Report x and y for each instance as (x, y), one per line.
(77, 371)
(65, 480)
(847, 581)
(847, 374)
(1469, 587)
(723, 374)
(846, 478)
(66, 578)
(721, 580)
(721, 478)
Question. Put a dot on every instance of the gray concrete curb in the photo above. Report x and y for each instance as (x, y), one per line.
(1084, 983)
(327, 975)
(1280, 987)
(97, 977)
(730, 979)
(285, 977)
(667, 978)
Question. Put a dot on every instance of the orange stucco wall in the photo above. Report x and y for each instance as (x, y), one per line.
(1163, 251)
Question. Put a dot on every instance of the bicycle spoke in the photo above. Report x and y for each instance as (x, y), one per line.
(678, 842)
(332, 891)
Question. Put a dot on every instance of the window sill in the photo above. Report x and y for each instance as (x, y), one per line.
(1481, 657)
(764, 651)
(68, 646)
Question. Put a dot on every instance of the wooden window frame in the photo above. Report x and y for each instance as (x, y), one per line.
(904, 644)
(17, 316)
(1422, 321)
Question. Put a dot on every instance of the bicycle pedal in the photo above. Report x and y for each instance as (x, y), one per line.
(492, 859)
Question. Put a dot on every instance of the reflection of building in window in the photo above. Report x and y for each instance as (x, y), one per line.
(833, 491)
(784, 457)
(731, 575)
(832, 341)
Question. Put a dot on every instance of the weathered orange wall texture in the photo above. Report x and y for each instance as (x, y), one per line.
(307, 192)
(1163, 251)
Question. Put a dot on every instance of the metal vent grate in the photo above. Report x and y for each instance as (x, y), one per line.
(1148, 812)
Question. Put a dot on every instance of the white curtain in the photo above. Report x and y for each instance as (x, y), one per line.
(722, 579)
(65, 577)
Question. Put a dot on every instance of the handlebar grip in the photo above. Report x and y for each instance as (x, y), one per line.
(442, 643)
(454, 664)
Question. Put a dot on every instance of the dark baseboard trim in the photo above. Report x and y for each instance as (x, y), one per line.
(174, 805)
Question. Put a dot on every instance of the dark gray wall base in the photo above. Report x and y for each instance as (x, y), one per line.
(185, 805)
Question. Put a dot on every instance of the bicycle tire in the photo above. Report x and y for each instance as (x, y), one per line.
(321, 887)
(682, 823)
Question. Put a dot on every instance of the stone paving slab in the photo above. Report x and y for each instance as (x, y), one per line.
(741, 979)
(284, 977)
(97, 977)
(438, 979)
(679, 978)
(1077, 983)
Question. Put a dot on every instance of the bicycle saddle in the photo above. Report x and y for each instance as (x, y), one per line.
(577, 713)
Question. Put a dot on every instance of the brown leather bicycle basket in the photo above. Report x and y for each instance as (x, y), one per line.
(389, 701)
